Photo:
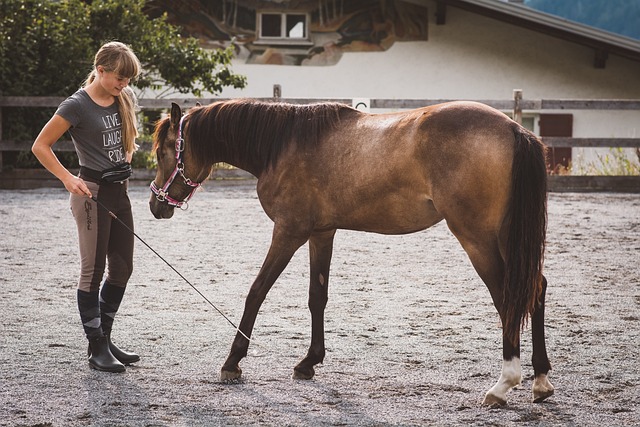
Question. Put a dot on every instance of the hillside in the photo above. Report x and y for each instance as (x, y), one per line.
(617, 16)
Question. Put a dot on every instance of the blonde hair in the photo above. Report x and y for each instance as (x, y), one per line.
(119, 58)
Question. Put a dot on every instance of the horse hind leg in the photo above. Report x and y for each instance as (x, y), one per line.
(485, 255)
(320, 252)
(510, 377)
(511, 370)
(542, 387)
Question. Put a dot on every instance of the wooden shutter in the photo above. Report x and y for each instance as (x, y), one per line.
(558, 159)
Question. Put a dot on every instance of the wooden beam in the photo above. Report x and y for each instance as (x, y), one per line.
(556, 141)
(58, 146)
(526, 104)
(593, 183)
(600, 58)
(30, 101)
(590, 104)
(417, 103)
(517, 105)
(551, 141)
(441, 13)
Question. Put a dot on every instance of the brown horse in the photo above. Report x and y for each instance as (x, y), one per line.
(324, 167)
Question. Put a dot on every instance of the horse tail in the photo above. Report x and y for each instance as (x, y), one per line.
(527, 227)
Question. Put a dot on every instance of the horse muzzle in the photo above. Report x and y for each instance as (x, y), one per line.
(160, 210)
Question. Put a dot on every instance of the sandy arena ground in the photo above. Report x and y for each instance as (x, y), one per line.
(412, 337)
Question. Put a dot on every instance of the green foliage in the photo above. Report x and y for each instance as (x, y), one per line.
(615, 162)
(47, 49)
(618, 16)
(37, 56)
(37, 59)
(144, 160)
(168, 59)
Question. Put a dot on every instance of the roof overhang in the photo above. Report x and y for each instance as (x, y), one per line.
(602, 42)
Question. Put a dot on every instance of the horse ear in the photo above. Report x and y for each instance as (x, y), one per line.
(176, 114)
(198, 104)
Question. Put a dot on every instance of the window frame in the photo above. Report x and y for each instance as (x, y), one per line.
(282, 39)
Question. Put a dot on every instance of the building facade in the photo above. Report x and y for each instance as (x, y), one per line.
(428, 49)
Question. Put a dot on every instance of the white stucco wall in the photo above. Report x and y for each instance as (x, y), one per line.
(471, 57)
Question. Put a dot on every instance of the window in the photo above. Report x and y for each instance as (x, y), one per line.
(282, 27)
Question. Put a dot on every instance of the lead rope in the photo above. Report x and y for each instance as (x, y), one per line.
(114, 216)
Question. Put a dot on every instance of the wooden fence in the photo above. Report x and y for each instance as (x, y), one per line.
(558, 183)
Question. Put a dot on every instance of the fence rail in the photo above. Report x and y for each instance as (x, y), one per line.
(381, 103)
(516, 105)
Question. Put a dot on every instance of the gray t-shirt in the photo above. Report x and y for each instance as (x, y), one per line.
(96, 131)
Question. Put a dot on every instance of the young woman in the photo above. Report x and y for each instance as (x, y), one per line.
(101, 119)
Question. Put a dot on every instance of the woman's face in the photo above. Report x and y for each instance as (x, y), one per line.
(112, 82)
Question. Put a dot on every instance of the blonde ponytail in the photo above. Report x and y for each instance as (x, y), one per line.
(128, 106)
(119, 58)
(90, 77)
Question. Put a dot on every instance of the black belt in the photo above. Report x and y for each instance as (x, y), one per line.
(118, 174)
(90, 174)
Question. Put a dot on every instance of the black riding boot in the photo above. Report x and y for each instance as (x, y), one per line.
(110, 299)
(101, 357)
(123, 356)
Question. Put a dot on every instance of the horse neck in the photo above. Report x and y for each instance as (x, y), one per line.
(242, 161)
(216, 151)
(242, 134)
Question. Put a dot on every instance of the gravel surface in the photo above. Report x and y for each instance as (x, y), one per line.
(411, 335)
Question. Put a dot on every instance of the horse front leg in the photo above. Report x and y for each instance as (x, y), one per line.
(283, 246)
(320, 252)
(541, 388)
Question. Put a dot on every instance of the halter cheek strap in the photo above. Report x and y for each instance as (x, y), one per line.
(162, 194)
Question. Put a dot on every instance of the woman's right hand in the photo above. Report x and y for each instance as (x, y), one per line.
(75, 185)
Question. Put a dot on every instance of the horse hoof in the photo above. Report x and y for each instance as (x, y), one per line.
(541, 389)
(230, 376)
(540, 397)
(493, 401)
(303, 374)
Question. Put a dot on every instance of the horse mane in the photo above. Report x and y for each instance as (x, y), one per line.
(160, 133)
(257, 131)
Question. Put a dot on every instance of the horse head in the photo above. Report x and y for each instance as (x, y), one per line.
(172, 186)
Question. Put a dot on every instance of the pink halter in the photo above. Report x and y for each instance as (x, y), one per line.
(162, 194)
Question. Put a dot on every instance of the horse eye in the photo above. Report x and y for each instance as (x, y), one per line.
(160, 153)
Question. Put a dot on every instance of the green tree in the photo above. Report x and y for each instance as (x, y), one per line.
(47, 48)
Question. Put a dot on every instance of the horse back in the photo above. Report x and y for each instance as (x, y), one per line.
(397, 172)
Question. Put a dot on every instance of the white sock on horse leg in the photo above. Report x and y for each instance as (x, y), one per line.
(511, 376)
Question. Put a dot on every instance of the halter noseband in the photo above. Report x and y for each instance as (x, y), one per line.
(162, 194)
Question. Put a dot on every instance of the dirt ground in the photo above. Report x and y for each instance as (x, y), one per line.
(412, 338)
